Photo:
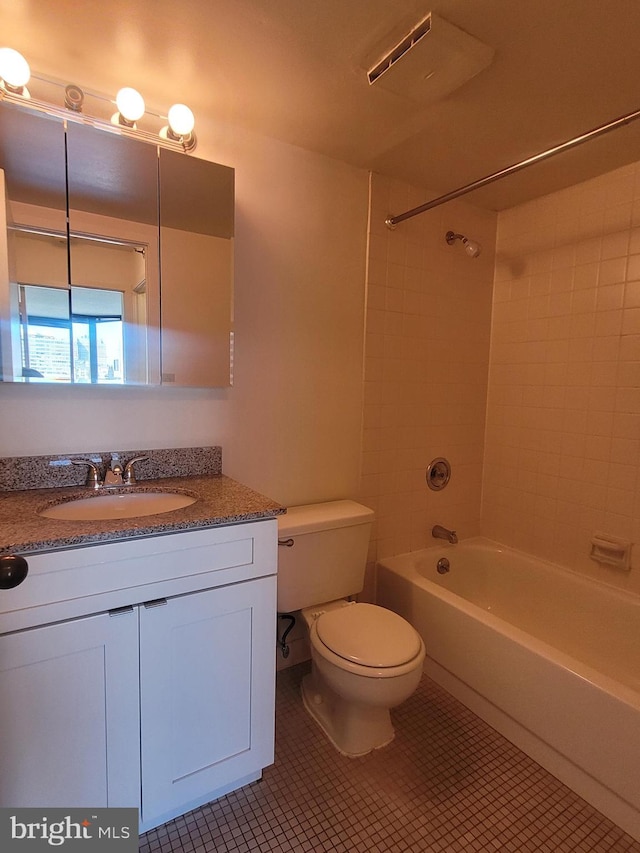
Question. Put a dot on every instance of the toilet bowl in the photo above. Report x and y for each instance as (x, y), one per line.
(365, 661)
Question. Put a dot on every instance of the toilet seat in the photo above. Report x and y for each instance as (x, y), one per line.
(368, 636)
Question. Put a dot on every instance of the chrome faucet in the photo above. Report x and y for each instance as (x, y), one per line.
(113, 474)
(439, 532)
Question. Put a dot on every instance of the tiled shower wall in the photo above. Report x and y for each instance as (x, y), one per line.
(563, 430)
(428, 321)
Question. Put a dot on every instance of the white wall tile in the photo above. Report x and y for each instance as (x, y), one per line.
(435, 324)
(562, 451)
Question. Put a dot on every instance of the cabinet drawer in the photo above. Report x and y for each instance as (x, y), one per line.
(70, 583)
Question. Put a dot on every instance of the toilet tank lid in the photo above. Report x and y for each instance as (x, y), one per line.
(323, 516)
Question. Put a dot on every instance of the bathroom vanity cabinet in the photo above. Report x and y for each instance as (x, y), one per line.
(140, 673)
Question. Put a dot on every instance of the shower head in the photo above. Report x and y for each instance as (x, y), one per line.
(472, 248)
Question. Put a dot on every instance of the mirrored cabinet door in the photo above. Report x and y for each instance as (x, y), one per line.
(34, 290)
(196, 262)
(113, 252)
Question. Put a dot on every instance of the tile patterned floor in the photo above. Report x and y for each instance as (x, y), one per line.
(448, 782)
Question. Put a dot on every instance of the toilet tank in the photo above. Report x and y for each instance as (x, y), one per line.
(328, 557)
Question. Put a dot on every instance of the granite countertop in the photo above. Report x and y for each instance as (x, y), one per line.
(220, 500)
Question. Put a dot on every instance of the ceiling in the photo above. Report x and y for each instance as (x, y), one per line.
(296, 70)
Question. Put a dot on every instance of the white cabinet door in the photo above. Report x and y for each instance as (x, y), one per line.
(68, 699)
(207, 694)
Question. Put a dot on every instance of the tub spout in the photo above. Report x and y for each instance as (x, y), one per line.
(439, 532)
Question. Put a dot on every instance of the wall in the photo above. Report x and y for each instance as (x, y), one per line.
(428, 318)
(291, 425)
(563, 434)
(427, 354)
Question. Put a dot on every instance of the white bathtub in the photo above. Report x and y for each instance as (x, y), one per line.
(548, 657)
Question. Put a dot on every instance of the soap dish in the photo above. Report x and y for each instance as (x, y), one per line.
(611, 551)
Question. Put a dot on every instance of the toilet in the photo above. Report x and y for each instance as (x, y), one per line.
(365, 659)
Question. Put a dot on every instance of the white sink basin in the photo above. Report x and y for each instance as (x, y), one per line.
(119, 505)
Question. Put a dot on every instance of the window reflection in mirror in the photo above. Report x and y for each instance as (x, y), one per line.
(33, 220)
(97, 330)
(113, 230)
(101, 267)
(45, 333)
(107, 316)
(71, 335)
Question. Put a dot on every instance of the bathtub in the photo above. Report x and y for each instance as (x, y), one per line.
(547, 656)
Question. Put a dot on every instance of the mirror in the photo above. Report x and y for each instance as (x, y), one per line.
(116, 268)
(112, 186)
(33, 228)
(196, 262)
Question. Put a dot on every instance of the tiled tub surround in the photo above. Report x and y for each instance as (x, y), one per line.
(545, 655)
(428, 322)
(196, 471)
(562, 453)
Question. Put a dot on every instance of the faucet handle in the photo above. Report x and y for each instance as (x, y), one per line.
(94, 472)
(129, 476)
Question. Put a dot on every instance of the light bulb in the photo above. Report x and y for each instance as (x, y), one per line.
(14, 69)
(130, 104)
(181, 120)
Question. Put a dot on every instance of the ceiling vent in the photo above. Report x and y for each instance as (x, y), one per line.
(431, 61)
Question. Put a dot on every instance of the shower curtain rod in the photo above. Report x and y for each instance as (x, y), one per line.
(392, 221)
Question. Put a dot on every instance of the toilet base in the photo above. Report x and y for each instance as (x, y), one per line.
(353, 729)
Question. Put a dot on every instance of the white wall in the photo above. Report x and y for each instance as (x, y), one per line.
(291, 424)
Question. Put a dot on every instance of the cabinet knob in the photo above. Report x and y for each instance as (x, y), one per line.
(13, 570)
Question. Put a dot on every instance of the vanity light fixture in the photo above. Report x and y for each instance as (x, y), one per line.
(173, 131)
(131, 108)
(180, 126)
(73, 98)
(472, 248)
(14, 72)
